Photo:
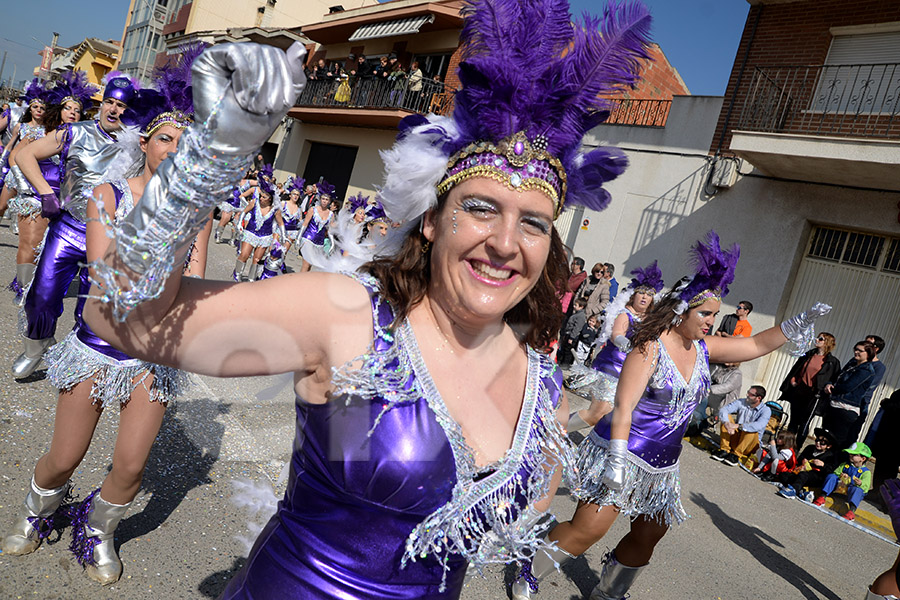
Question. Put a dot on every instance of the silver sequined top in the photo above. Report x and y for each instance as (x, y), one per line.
(89, 155)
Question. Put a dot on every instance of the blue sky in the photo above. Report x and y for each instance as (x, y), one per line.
(699, 37)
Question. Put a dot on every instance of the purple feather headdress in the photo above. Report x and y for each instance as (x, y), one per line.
(267, 171)
(35, 91)
(295, 183)
(713, 272)
(170, 100)
(649, 278)
(356, 202)
(375, 212)
(266, 184)
(325, 189)
(533, 84)
(72, 86)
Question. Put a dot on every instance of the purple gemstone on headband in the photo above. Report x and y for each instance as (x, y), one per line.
(519, 148)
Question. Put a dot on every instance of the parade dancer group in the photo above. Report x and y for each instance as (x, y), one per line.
(410, 462)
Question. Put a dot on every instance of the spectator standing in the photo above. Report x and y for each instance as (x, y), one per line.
(879, 369)
(882, 439)
(599, 298)
(731, 324)
(613, 284)
(804, 385)
(586, 338)
(576, 278)
(743, 423)
(590, 282)
(571, 331)
(848, 393)
(397, 79)
(414, 93)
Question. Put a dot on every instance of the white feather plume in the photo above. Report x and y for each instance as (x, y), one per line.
(129, 159)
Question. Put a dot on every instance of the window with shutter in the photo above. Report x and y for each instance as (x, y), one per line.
(861, 75)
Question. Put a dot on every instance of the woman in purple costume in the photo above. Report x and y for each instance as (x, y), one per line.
(313, 247)
(259, 232)
(429, 413)
(598, 383)
(292, 213)
(91, 375)
(65, 101)
(629, 462)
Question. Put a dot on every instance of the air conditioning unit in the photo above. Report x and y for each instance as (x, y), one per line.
(725, 172)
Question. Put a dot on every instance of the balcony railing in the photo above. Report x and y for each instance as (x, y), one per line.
(433, 97)
(646, 113)
(834, 100)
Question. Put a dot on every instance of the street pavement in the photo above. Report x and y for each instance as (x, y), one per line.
(180, 540)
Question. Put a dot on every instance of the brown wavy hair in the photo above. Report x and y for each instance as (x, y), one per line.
(536, 320)
(657, 320)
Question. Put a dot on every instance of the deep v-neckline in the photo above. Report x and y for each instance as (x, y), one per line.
(685, 380)
(463, 452)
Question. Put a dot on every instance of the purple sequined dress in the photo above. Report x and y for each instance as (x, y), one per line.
(82, 355)
(599, 384)
(312, 241)
(652, 485)
(384, 499)
(258, 230)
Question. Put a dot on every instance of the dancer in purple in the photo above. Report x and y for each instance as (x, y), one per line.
(65, 102)
(314, 242)
(429, 412)
(292, 213)
(85, 150)
(92, 376)
(629, 462)
(598, 383)
(259, 232)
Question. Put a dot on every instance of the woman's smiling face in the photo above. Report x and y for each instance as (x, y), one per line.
(489, 247)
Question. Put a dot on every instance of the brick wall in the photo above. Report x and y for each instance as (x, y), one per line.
(659, 79)
(792, 34)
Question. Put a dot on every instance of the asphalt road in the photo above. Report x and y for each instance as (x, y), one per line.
(180, 538)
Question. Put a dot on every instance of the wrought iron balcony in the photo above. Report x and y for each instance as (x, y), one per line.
(831, 100)
(645, 113)
(433, 97)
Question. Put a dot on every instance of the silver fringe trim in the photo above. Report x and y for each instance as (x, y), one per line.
(601, 387)
(255, 240)
(484, 521)
(71, 362)
(647, 491)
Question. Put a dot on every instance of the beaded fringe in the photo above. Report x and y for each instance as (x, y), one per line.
(255, 240)
(647, 491)
(71, 362)
(600, 388)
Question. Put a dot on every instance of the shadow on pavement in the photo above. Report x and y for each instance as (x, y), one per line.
(213, 585)
(759, 545)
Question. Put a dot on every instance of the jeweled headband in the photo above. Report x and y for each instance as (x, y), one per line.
(516, 162)
(704, 296)
(71, 99)
(175, 118)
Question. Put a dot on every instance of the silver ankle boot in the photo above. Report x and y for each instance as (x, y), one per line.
(544, 562)
(29, 360)
(615, 580)
(35, 520)
(218, 234)
(238, 272)
(93, 538)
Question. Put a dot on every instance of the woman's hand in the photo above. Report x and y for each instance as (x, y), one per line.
(829, 388)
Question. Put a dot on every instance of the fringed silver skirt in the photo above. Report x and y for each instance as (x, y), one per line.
(24, 202)
(228, 207)
(600, 387)
(71, 362)
(257, 241)
(648, 491)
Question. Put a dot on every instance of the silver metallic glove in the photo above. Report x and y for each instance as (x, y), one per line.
(241, 93)
(622, 343)
(799, 328)
(616, 461)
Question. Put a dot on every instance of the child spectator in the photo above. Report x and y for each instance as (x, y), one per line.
(854, 474)
(777, 458)
(589, 333)
(572, 329)
(815, 462)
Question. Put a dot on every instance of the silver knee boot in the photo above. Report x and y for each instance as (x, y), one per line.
(544, 562)
(29, 360)
(615, 580)
(238, 272)
(93, 538)
(35, 520)
(24, 275)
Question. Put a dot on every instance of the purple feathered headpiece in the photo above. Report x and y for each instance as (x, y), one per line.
(325, 189)
(356, 202)
(648, 279)
(295, 183)
(713, 272)
(267, 185)
(35, 91)
(375, 212)
(267, 171)
(170, 100)
(533, 84)
(72, 86)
